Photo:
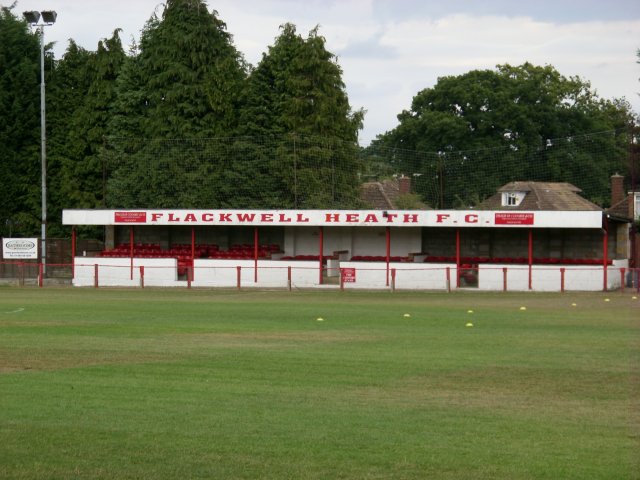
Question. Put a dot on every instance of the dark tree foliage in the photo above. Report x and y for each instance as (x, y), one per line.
(486, 128)
(20, 199)
(183, 121)
(296, 99)
(184, 83)
(82, 91)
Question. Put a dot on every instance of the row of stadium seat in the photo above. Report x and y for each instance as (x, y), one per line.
(378, 258)
(185, 250)
(517, 260)
(304, 257)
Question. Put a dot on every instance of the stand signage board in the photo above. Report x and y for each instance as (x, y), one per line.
(19, 248)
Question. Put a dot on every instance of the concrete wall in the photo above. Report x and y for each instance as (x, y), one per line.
(549, 279)
(271, 273)
(491, 277)
(162, 272)
(116, 272)
(408, 276)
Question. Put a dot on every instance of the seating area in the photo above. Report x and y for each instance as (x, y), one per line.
(245, 251)
(304, 257)
(516, 260)
(378, 258)
(184, 251)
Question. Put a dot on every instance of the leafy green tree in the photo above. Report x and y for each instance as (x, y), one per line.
(82, 92)
(488, 127)
(296, 99)
(183, 83)
(19, 126)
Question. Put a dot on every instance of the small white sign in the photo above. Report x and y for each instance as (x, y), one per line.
(23, 248)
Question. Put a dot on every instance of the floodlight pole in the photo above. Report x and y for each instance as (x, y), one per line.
(48, 18)
(43, 149)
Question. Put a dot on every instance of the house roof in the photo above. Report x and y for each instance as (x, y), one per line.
(555, 196)
(620, 209)
(381, 195)
(623, 208)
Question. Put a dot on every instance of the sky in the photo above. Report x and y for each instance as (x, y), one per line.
(390, 50)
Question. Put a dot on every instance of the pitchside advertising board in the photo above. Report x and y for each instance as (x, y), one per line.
(338, 218)
(19, 248)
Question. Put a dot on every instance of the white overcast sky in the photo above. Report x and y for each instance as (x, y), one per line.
(390, 50)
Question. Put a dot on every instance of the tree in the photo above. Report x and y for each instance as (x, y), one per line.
(494, 126)
(82, 91)
(296, 99)
(184, 83)
(19, 126)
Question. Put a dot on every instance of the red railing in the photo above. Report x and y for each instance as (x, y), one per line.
(359, 275)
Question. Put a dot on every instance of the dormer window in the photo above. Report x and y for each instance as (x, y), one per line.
(512, 199)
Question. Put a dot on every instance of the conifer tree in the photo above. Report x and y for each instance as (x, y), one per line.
(82, 92)
(183, 83)
(295, 97)
(19, 126)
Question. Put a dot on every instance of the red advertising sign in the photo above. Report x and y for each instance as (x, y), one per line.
(130, 217)
(514, 218)
(348, 275)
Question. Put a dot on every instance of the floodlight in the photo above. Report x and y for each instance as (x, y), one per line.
(32, 17)
(49, 16)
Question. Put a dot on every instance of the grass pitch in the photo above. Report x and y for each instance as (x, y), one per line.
(137, 384)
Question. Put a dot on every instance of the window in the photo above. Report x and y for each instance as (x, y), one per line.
(636, 206)
(512, 199)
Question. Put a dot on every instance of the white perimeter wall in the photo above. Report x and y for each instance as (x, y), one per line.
(271, 273)
(549, 279)
(116, 272)
(408, 276)
(162, 272)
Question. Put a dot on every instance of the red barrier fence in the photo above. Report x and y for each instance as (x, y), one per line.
(288, 276)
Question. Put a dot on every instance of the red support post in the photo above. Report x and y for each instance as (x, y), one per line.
(530, 259)
(40, 274)
(341, 279)
(448, 270)
(95, 275)
(605, 252)
(387, 250)
(562, 270)
(393, 279)
(457, 258)
(504, 279)
(289, 277)
(131, 239)
(191, 271)
(73, 252)
(141, 276)
(256, 241)
(321, 241)
(239, 275)
(622, 272)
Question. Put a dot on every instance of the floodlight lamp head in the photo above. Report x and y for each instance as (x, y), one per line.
(49, 16)
(32, 17)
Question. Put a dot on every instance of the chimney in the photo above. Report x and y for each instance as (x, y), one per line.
(617, 189)
(404, 185)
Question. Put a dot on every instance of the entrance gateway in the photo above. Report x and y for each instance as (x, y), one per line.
(406, 249)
